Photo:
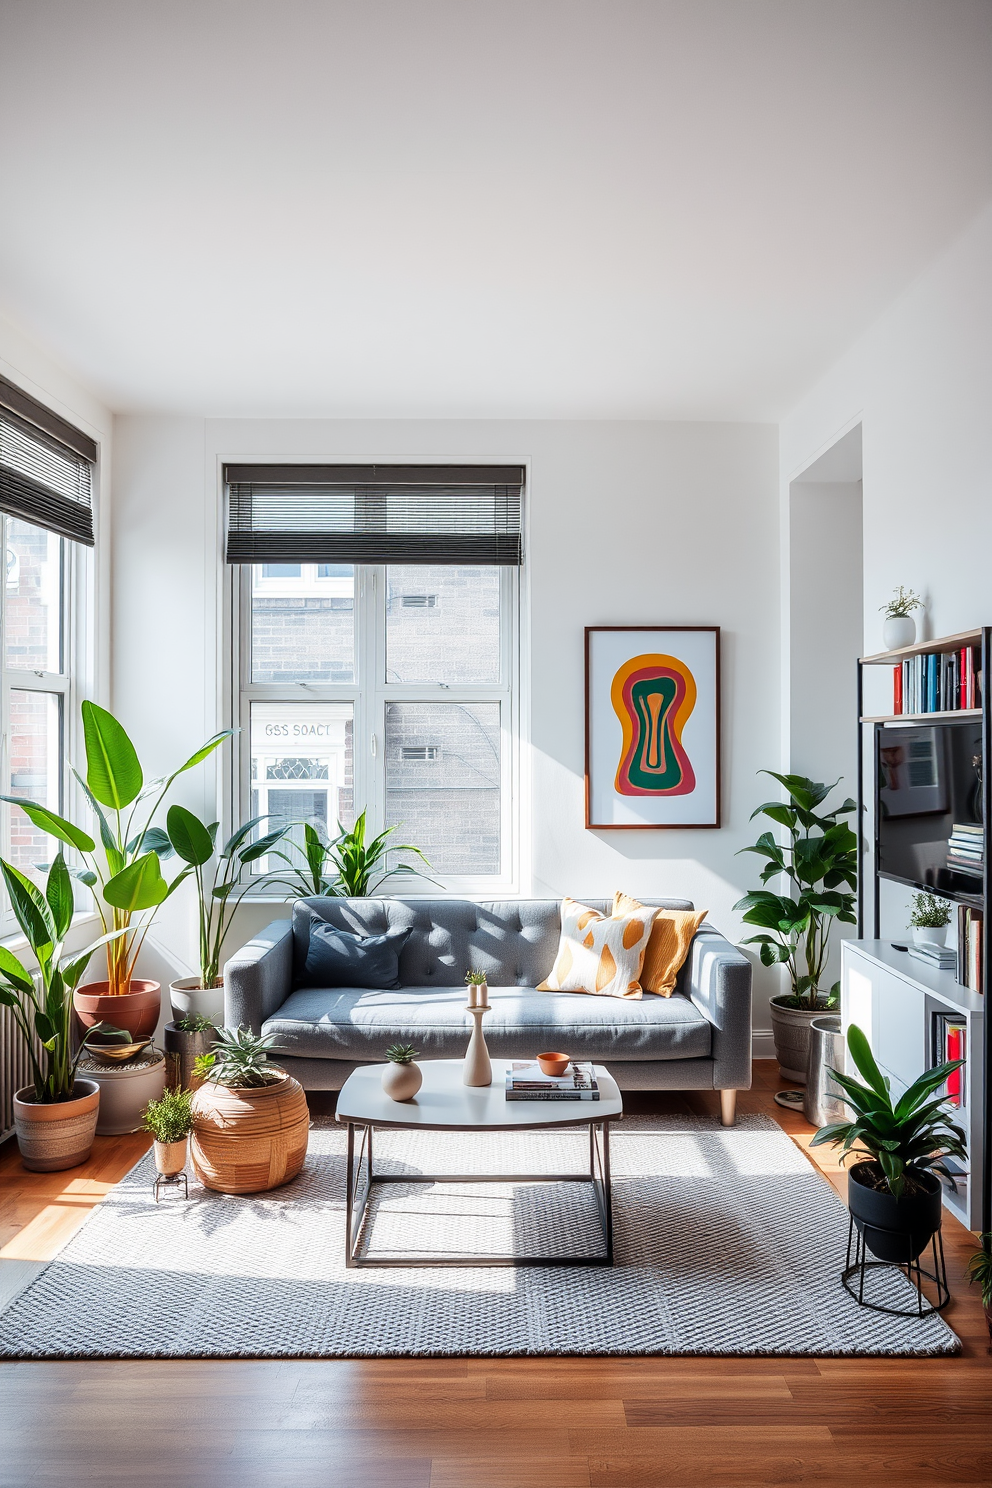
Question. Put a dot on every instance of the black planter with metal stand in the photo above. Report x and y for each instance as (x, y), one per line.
(897, 1232)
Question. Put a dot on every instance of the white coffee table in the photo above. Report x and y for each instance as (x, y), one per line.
(443, 1103)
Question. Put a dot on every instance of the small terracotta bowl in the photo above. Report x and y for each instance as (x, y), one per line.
(553, 1064)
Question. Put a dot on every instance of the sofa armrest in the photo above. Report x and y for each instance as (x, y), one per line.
(259, 977)
(719, 983)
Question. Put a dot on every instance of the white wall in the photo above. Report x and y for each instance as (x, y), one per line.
(920, 383)
(630, 523)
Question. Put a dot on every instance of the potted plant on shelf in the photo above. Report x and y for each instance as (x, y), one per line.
(55, 1118)
(980, 1274)
(899, 627)
(170, 1121)
(250, 1118)
(219, 893)
(355, 862)
(123, 873)
(820, 860)
(402, 1078)
(893, 1191)
(929, 917)
(186, 1040)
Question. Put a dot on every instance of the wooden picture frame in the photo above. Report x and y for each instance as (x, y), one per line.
(652, 752)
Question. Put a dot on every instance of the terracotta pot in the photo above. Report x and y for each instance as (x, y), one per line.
(189, 998)
(247, 1141)
(790, 1027)
(137, 1010)
(402, 1081)
(553, 1064)
(170, 1157)
(58, 1136)
(182, 1049)
(125, 1091)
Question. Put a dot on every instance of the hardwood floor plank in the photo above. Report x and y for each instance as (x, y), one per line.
(685, 1386)
(484, 1472)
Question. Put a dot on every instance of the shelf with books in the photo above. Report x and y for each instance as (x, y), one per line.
(925, 809)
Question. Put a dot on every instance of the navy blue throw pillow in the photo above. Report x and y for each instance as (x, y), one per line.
(336, 958)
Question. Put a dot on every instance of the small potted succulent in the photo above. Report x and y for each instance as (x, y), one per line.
(402, 1078)
(929, 917)
(250, 1118)
(980, 1274)
(893, 1192)
(185, 1041)
(170, 1121)
(477, 983)
(899, 627)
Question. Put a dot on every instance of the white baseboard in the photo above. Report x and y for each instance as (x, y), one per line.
(762, 1044)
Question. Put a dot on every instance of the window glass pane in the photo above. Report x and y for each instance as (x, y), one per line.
(33, 615)
(442, 624)
(302, 623)
(443, 782)
(301, 763)
(35, 770)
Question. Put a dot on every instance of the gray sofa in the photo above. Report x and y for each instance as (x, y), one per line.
(698, 1039)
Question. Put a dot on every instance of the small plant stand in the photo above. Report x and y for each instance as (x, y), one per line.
(911, 1269)
(170, 1180)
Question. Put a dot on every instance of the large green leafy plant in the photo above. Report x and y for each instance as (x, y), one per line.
(220, 888)
(820, 860)
(122, 869)
(359, 867)
(904, 1139)
(42, 1004)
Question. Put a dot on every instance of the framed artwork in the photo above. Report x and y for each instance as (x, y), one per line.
(652, 726)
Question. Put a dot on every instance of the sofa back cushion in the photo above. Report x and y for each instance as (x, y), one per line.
(512, 940)
(337, 958)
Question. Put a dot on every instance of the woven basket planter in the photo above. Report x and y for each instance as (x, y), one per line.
(248, 1140)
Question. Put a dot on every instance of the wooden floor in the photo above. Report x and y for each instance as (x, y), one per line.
(517, 1423)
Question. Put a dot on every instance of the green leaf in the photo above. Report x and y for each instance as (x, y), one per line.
(12, 969)
(54, 825)
(189, 836)
(61, 901)
(152, 839)
(113, 772)
(865, 1062)
(31, 910)
(204, 751)
(138, 886)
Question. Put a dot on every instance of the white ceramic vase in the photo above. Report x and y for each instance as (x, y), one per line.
(935, 934)
(188, 999)
(897, 631)
(402, 1081)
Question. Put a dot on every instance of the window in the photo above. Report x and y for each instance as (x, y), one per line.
(388, 686)
(44, 502)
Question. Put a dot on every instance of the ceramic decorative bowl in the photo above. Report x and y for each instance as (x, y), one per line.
(117, 1053)
(553, 1064)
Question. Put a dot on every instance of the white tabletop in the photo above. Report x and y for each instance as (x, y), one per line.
(443, 1102)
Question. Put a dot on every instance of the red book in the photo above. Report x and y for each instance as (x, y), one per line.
(954, 1052)
(963, 678)
(897, 689)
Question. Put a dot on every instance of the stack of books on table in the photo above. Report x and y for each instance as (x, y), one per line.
(944, 958)
(526, 1081)
(966, 848)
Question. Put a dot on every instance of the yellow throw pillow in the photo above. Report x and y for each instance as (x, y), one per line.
(599, 954)
(668, 945)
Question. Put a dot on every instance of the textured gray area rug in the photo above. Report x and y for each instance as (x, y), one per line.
(728, 1242)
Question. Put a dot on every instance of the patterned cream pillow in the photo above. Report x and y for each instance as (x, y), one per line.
(599, 954)
(668, 944)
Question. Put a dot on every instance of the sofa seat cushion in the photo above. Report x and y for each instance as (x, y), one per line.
(351, 1023)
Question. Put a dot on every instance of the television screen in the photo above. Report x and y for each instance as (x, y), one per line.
(929, 794)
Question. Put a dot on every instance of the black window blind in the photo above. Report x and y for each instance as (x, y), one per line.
(374, 514)
(45, 467)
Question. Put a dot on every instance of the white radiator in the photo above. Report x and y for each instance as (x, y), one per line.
(15, 1069)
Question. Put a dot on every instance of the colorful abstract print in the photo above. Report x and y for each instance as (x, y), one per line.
(653, 697)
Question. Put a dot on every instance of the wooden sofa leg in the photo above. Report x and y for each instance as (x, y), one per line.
(728, 1107)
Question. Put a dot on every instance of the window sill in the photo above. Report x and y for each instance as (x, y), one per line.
(82, 921)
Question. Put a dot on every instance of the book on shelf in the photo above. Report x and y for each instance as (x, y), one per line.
(525, 1080)
(951, 1042)
(966, 848)
(971, 928)
(938, 682)
(942, 957)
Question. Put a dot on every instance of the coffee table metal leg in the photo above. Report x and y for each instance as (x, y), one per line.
(355, 1207)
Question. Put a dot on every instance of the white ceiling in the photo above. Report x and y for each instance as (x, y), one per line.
(536, 208)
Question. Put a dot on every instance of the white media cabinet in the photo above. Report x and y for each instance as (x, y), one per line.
(893, 997)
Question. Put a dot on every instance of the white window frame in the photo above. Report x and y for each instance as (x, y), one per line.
(369, 694)
(67, 685)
